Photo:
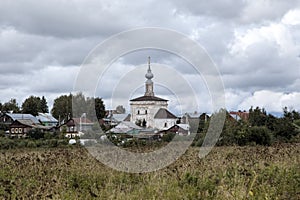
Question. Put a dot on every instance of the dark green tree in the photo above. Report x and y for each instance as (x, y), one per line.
(93, 107)
(80, 105)
(11, 105)
(144, 123)
(31, 105)
(76, 105)
(62, 107)
(44, 105)
(100, 108)
(291, 114)
(260, 135)
(257, 117)
(284, 129)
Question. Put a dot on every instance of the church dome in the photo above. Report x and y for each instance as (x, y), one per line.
(149, 74)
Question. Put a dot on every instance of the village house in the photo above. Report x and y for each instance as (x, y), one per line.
(239, 115)
(8, 118)
(21, 127)
(180, 129)
(75, 127)
(47, 119)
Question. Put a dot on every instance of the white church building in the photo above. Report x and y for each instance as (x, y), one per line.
(149, 110)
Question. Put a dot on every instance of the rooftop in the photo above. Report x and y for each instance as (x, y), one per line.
(163, 113)
(148, 98)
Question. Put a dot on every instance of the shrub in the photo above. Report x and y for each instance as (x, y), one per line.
(284, 129)
(35, 134)
(7, 143)
(168, 137)
(31, 144)
(260, 135)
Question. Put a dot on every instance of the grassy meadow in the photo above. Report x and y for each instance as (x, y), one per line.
(250, 172)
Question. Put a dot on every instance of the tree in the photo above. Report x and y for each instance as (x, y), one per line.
(44, 105)
(290, 115)
(80, 105)
(120, 109)
(93, 107)
(100, 108)
(62, 107)
(260, 135)
(11, 105)
(144, 123)
(257, 117)
(283, 128)
(31, 105)
(65, 107)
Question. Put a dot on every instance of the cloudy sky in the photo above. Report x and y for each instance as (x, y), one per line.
(254, 44)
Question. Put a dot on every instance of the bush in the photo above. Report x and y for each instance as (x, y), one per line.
(260, 135)
(31, 144)
(168, 137)
(284, 129)
(35, 134)
(7, 143)
(2, 133)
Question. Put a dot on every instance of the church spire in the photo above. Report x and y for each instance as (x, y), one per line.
(149, 82)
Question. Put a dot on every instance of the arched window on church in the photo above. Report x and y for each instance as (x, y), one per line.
(165, 124)
(146, 112)
(138, 112)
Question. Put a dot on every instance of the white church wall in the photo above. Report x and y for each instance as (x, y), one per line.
(146, 110)
(164, 123)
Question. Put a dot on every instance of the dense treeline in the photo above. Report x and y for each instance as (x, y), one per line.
(62, 106)
(260, 128)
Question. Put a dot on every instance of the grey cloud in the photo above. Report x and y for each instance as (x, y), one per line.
(219, 8)
(42, 43)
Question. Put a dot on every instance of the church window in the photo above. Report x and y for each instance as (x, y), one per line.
(138, 112)
(165, 124)
(146, 112)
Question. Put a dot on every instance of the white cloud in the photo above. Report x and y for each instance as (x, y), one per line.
(272, 101)
(292, 17)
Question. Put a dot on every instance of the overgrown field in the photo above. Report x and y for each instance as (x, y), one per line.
(226, 173)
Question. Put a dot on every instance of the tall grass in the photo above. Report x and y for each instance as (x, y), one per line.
(226, 173)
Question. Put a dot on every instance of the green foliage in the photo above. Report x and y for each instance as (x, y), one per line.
(144, 123)
(62, 107)
(33, 105)
(168, 137)
(226, 173)
(257, 117)
(259, 135)
(4, 127)
(9, 143)
(261, 129)
(2, 133)
(11, 105)
(35, 134)
(44, 105)
(284, 129)
(138, 122)
(100, 108)
(297, 122)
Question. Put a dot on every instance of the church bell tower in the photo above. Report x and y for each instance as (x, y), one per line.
(149, 82)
